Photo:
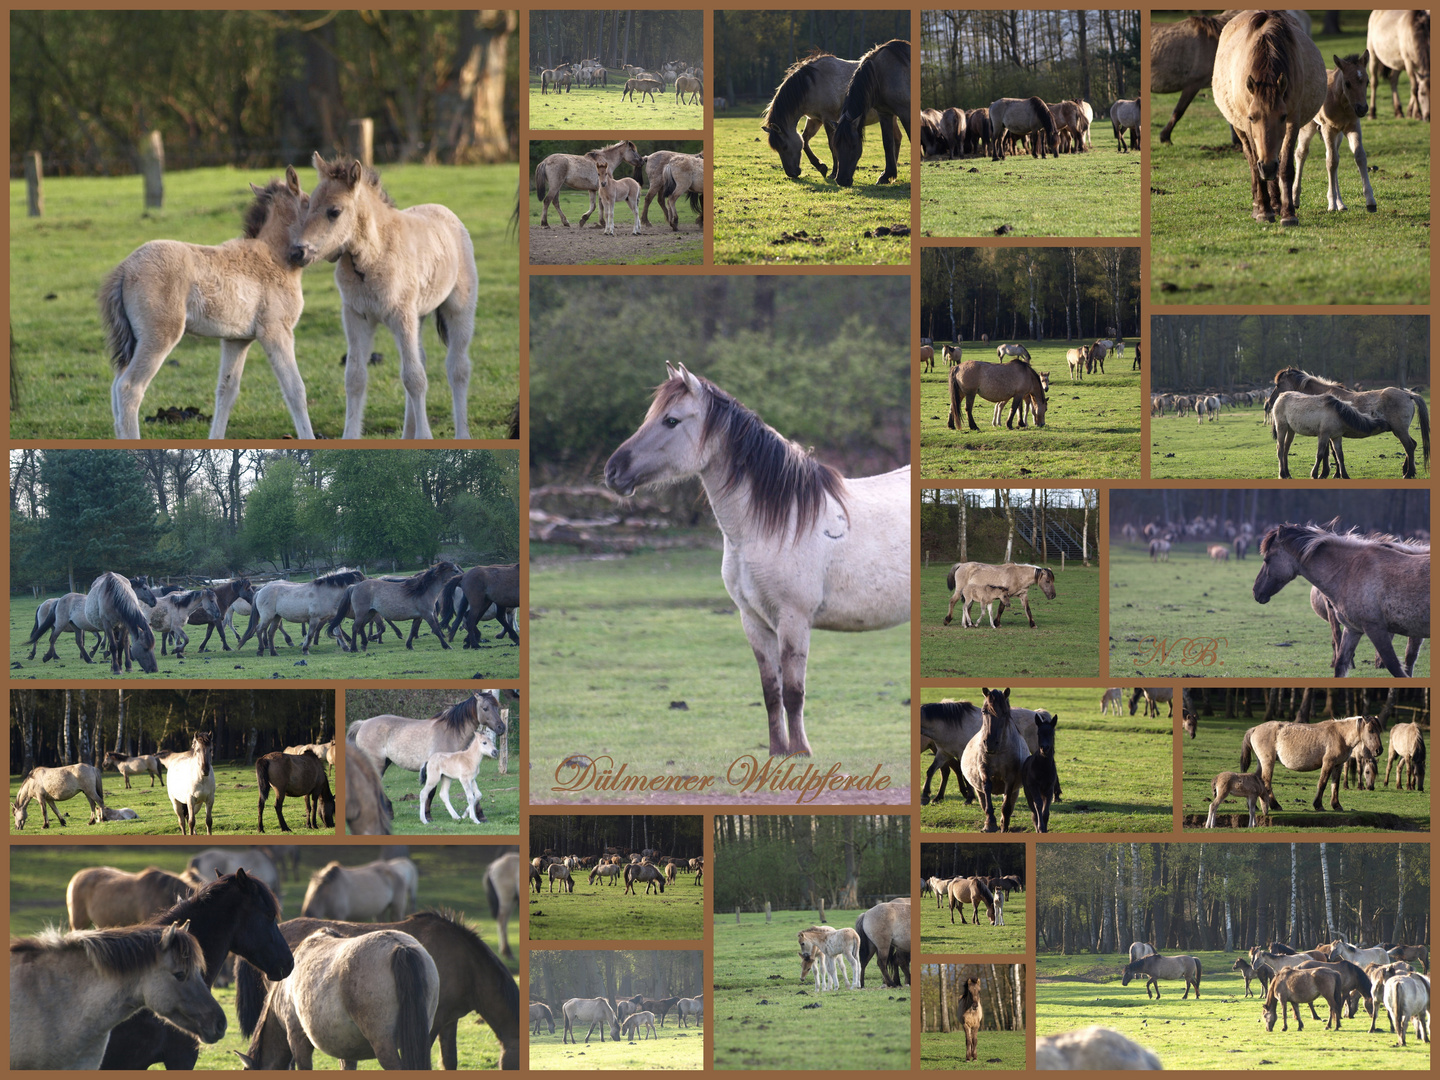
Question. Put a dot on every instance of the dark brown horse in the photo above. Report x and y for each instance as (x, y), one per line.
(486, 588)
(1038, 777)
(881, 83)
(994, 759)
(226, 593)
(295, 775)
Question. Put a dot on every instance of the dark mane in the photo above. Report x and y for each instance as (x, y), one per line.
(865, 83)
(340, 169)
(215, 896)
(120, 952)
(124, 601)
(955, 711)
(1271, 49)
(418, 583)
(1207, 25)
(1420, 22)
(1304, 379)
(259, 210)
(790, 95)
(1305, 540)
(1047, 119)
(461, 716)
(782, 478)
(340, 577)
(185, 598)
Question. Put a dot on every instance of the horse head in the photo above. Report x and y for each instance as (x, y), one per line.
(1353, 77)
(1279, 569)
(1044, 576)
(994, 717)
(670, 443)
(332, 217)
(1045, 732)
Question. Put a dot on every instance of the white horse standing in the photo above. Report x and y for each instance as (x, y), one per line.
(461, 765)
(805, 548)
(190, 783)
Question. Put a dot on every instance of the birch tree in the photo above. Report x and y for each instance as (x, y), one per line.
(1294, 892)
(1010, 521)
(1399, 889)
(1325, 883)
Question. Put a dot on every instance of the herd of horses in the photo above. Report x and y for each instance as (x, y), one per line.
(969, 582)
(634, 1015)
(416, 262)
(648, 867)
(959, 891)
(669, 175)
(1011, 125)
(640, 83)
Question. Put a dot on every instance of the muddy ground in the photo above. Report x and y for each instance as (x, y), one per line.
(656, 243)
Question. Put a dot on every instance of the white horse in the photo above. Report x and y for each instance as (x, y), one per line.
(822, 948)
(692, 1006)
(190, 783)
(461, 765)
(805, 548)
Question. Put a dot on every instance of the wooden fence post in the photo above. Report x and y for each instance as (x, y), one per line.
(767, 911)
(362, 140)
(152, 166)
(502, 752)
(737, 914)
(822, 911)
(34, 196)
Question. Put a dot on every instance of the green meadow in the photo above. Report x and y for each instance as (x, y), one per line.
(1103, 791)
(938, 936)
(672, 1047)
(1092, 427)
(600, 108)
(1192, 616)
(995, 1050)
(604, 912)
(1206, 249)
(62, 369)
(767, 1017)
(762, 217)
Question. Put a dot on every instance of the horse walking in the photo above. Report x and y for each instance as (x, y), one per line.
(137, 765)
(190, 784)
(461, 765)
(295, 775)
(994, 759)
(1182, 60)
(55, 785)
(173, 610)
(1154, 967)
(1325, 746)
(412, 598)
(1397, 41)
(313, 602)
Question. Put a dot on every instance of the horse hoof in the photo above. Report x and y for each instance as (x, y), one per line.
(1371, 208)
(1290, 221)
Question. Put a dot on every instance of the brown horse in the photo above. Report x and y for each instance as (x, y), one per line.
(971, 1015)
(1269, 81)
(1156, 967)
(1292, 986)
(108, 897)
(1182, 59)
(973, 891)
(1339, 116)
(1325, 746)
(1022, 117)
(295, 775)
(486, 587)
(880, 85)
(412, 598)
(994, 759)
(1015, 382)
(1395, 403)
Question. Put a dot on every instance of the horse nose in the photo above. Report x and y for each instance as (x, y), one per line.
(301, 254)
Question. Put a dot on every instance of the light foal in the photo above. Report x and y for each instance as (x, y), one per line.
(611, 190)
(1345, 92)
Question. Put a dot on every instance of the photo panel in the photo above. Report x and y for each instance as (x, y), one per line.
(987, 879)
(973, 1016)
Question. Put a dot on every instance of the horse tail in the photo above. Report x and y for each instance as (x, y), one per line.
(495, 897)
(950, 580)
(1197, 975)
(119, 332)
(867, 947)
(262, 779)
(956, 415)
(249, 995)
(412, 1026)
(342, 612)
(1354, 418)
(442, 329)
(697, 203)
(1424, 411)
(1245, 751)
(669, 188)
(540, 184)
(254, 622)
(40, 627)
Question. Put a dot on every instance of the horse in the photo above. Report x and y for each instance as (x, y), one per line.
(1420, 953)
(577, 171)
(651, 172)
(880, 85)
(1077, 359)
(1022, 116)
(932, 139)
(1292, 986)
(1251, 973)
(190, 783)
(1339, 116)
(58, 615)
(805, 548)
(540, 1014)
(973, 891)
(112, 607)
(608, 190)
(1397, 404)
(312, 602)
(683, 174)
(949, 726)
(128, 765)
(1400, 41)
(1141, 949)
(226, 594)
(173, 610)
(972, 1013)
(354, 998)
(597, 1012)
(52, 785)
(1002, 351)
(368, 811)
(1110, 700)
(416, 261)
(356, 892)
(927, 358)
(1407, 743)
(635, 1021)
(1015, 579)
(106, 897)
(647, 873)
(1015, 382)
(885, 934)
(561, 873)
(472, 979)
(1092, 1049)
(688, 84)
(1160, 549)
(1379, 586)
(1408, 997)
(1326, 746)
(695, 1006)
(1217, 553)
(994, 758)
(977, 136)
(206, 865)
(1038, 776)
(241, 291)
(502, 886)
(489, 587)
(1324, 416)
(1155, 967)
(1182, 59)
(607, 872)
(823, 948)
(461, 765)
(1071, 126)
(295, 775)
(1269, 82)
(95, 979)
(1125, 116)
(1252, 787)
(412, 598)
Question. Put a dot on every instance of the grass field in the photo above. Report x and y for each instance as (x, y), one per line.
(766, 1017)
(762, 217)
(1096, 193)
(1219, 1031)
(390, 660)
(1103, 791)
(1062, 645)
(599, 108)
(604, 912)
(1216, 749)
(1208, 611)
(1206, 249)
(995, 1050)
(938, 937)
(1240, 444)
(91, 224)
(1092, 428)
(448, 877)
(672, 1048)
(642, 660)
(236, 802)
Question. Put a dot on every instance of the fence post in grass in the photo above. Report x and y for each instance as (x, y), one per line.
(737, 914)
(767, 911)
(362, 140)
(1062, 562)
(152, 167)
(822, 911)
(34, 197)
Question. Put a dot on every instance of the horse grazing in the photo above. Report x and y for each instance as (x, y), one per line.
(1071, 126)
(1324, 416)
(823, 948)
(558, 871)
(95, 979)
(241, 291)
(1326, 746)
(1379, 587)
(312, 602)
(1182, 60)
(1252, 787)
(1396, 404)
(55, 785)
(978, 133)
(880, 85)
(412, 598)
(1092, 1049)
(805, 548)
(1022, 117)
(356, 892)
(683, 174)
(295, 775)
(994, 759)
(971, 1016)
(128, 765)
(644, 872)
(577, 171)
(173, 610)
(461, 765)
(812, 89)
(415, 261)
(1407, 743)
(108, 897)
(688, 85)
(1156, 967)
(1292, 986)
(354, 998)
(1125, 116)
(973, 891)
(1002, 351)
(597, 1012)
(885, 934)
(1016, 382)
(1269, 82)
(1400, 41)
(637, 1020)
(540, 1014)
(112, 607)
(1339, 116)
(1039, 778)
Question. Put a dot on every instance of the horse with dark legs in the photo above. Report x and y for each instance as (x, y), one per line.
(295, 775)
(1325, 746)
(1016, 382)
(971, 1016)
(1329, 419)
(1396, 404)
(413, 598)
(313, 602)
(1155, 967)
(885, 935)
(113, 608)
(994, 759)
(1182, 60)
(880, 85)
(1039, 777)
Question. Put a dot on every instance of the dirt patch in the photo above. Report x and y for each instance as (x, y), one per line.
(1314, 820)
(574, 246)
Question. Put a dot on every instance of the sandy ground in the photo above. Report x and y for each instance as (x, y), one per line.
(575, 246)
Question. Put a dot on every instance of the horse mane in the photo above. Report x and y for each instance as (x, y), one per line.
(340, 169)
(416, 584)
(124, 600)
(116, 951)
(1306, 379)
(1420, 23)
(1207, 25)
(340, 577)
(209, 897)
(184, 598)
(782, 476)
(259, 211)
(1308, 539)
(865, 83)
(949, 710)
(1047, 118)
(459, 716)
(1271, 51)
(790, 94)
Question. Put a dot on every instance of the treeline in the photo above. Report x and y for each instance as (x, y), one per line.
(796, 861)
(647, 38)
(754, 49)
(1228, 352)
(1304, 704)
(1032, 294)
(971, 58)
(215, 513)
(1002, 996)
(259, 89)
(1401, 511)
(984, 524)
(675, 835)
(821, 359)
(65, 727)
(1186, 897)
(557, 976)
(972, 860)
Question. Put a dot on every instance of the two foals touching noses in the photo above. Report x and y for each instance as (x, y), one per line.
(393, 268)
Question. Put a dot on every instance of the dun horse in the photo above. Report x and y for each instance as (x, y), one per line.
(885, 934)
(1016, 579)
(1396, 404)
(1125, 116)
(128, 765)
(805, 548)
(1339, 116)
(1289, 988)
(58, 615)
(610, 190)
(312, 602)
(1325, 746)
(190, 784)
(1022, 117)
(1400, 41)
(412, 598)
(108, 897)
(393, 268)
(880, 85)
(577, 171)
(973, 891)
(597, 1012)
(56, 785)
(684, 174)
(823, 948)
(1252, 787)
(112, 607)
(502, 887)
(1155, 967)
(994, 759)
(540, 1014)
(368, 811)
(173, 610)
(461, 765)
(1016, 382)
(972, 1014)
(356, 892)
(241, 291)
(295, 775)
(1328, 419)
(1408, 744)
(1182, 59)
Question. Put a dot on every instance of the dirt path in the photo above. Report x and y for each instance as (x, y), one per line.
(558, 245)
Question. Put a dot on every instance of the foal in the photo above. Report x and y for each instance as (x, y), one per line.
(1251, 786)
(626, 190)
(460, 765)
(1340, 115)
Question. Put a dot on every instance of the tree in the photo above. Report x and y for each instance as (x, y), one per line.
(272, 514)
(98, 514)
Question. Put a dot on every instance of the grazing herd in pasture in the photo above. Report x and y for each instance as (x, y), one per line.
(647, 867)
(687, 80)
(976, 890)
(1030, 125)
(669, 174)
(629, 1016)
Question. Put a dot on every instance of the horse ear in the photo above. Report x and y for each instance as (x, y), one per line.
(318, 162)
(255, 190)
(292, 180)
(353, 171)
(690, 380)
(1007, 693)
(1336, 58)
(249, 1061)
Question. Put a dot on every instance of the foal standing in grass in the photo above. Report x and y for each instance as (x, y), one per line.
(393, 268)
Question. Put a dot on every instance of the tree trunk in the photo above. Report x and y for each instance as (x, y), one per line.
(944, 1000)
(1329, 907)
(67, 759)
(1290, 937)
(1137, 916)
(1200, 927)
(1399, 891)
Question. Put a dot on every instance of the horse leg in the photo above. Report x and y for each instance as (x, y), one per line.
(1186, 97)
(1386, 650)
(594, 202)
(434, 627)
(444, 793)
(1331, 768)
(970, 409)
(890, 140)
(1346, 658)
(1321, 469)
(812, 125)
(1341, 472)
(1412, 651)
(406, 329)
(458, 311)
(154, 340)
(1259, 194)
(280, 810)
(1286, 200)
(472, 799)
(359, 337)
(1012, 792)
(766, 646)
